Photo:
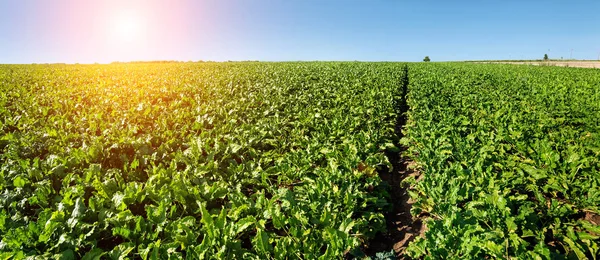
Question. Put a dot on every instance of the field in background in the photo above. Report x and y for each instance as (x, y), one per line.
(292, 160)
(572, 64)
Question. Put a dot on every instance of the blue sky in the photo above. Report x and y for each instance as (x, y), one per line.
(80, 31)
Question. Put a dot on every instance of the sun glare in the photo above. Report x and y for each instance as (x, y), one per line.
(127, 27)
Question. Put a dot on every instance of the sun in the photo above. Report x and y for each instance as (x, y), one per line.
(127, 27)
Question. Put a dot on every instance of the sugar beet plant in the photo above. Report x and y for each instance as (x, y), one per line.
(227, 161)
(510, 158)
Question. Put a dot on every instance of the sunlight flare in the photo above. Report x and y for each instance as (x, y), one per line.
(127, 27)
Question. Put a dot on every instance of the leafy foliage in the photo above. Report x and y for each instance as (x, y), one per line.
(280, 160)
(209, 160)
(511, 160)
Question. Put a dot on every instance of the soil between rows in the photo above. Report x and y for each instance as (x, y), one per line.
(402, 227)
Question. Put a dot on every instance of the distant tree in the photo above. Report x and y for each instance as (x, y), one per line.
(426, 59)
(545, 56)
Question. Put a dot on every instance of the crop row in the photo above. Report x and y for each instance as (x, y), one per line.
(281, 160)
(227, 161)
(510, 159)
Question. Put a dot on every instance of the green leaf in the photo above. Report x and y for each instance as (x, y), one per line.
(117, 199)
(94, 254)
(19, 182)
(79, 209)
(575, 248)
(121, 251)
(261, 242)
(244, 223)
(157, 214)
(67, 255)
(121, 231)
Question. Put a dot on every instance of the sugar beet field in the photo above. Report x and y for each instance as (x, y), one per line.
(299, 160)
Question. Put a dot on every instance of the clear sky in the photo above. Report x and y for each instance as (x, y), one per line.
(88, 31)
